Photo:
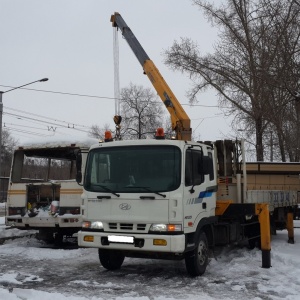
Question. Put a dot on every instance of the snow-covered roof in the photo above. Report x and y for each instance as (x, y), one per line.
(57, 143)
(147, 142)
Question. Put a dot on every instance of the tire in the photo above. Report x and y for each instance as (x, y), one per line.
(45, 236)
(254, 243)
(111, 259)
(196, 261)
(58, 239)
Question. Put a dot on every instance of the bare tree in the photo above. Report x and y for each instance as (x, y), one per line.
(248, 64)
(167, 125)
(282, 80)
(8, 145)
(98, 132)
(142, 112)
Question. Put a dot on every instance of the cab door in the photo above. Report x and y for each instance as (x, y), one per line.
(199, 185)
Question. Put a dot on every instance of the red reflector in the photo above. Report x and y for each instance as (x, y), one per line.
(75, 211)
(14, 211)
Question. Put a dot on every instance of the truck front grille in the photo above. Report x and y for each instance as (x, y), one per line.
(126, 227)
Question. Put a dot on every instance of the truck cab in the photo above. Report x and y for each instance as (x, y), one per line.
(147, 198)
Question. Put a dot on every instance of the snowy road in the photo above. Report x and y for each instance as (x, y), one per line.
(27, 267)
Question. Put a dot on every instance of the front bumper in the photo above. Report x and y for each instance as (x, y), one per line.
(37, 222)
(141, 242)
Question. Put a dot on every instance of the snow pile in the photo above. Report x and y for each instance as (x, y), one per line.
(35, 295)
(234, 273)
(6, 232)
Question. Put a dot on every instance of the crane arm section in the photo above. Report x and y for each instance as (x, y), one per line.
(181, 123)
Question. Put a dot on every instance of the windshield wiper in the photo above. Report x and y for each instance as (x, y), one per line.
(108, 189)
(146, 188)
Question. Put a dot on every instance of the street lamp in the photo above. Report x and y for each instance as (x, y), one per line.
(1, 112)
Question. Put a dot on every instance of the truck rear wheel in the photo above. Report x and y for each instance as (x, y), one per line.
(111, 259)
(196, 261)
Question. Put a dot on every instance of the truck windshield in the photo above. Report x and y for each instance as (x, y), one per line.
(133, 169)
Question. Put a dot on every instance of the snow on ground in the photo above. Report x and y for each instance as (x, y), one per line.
(234, 273)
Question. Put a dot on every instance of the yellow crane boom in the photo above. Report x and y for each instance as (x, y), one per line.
(181, 123)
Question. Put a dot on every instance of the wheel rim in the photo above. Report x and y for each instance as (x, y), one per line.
(202, 253)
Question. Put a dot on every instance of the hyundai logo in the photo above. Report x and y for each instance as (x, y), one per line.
(125, 206)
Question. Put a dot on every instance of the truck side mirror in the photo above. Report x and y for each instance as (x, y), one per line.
(78, 166)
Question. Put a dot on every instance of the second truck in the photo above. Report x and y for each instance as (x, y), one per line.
(43, 194)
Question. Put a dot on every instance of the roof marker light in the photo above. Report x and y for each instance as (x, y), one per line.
(108, 136)
(160, 134)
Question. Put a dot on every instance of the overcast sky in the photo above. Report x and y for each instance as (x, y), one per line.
(71, 43)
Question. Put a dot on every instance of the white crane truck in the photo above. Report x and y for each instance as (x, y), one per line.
(43, 194)
(167, 199)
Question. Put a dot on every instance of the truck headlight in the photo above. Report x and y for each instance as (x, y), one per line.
(165, 228)
(92, 225)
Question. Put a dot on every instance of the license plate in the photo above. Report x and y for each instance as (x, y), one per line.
(120, 239)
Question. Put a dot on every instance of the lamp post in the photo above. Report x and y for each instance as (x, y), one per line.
(1, 112)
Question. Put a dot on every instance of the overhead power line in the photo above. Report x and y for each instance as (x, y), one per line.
(27, 132)
(44, 122)
(24, 126)
(101, 97)
(44, 117)
(63, 93)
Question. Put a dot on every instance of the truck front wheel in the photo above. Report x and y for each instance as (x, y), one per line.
(111, 259)
(196, 261)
